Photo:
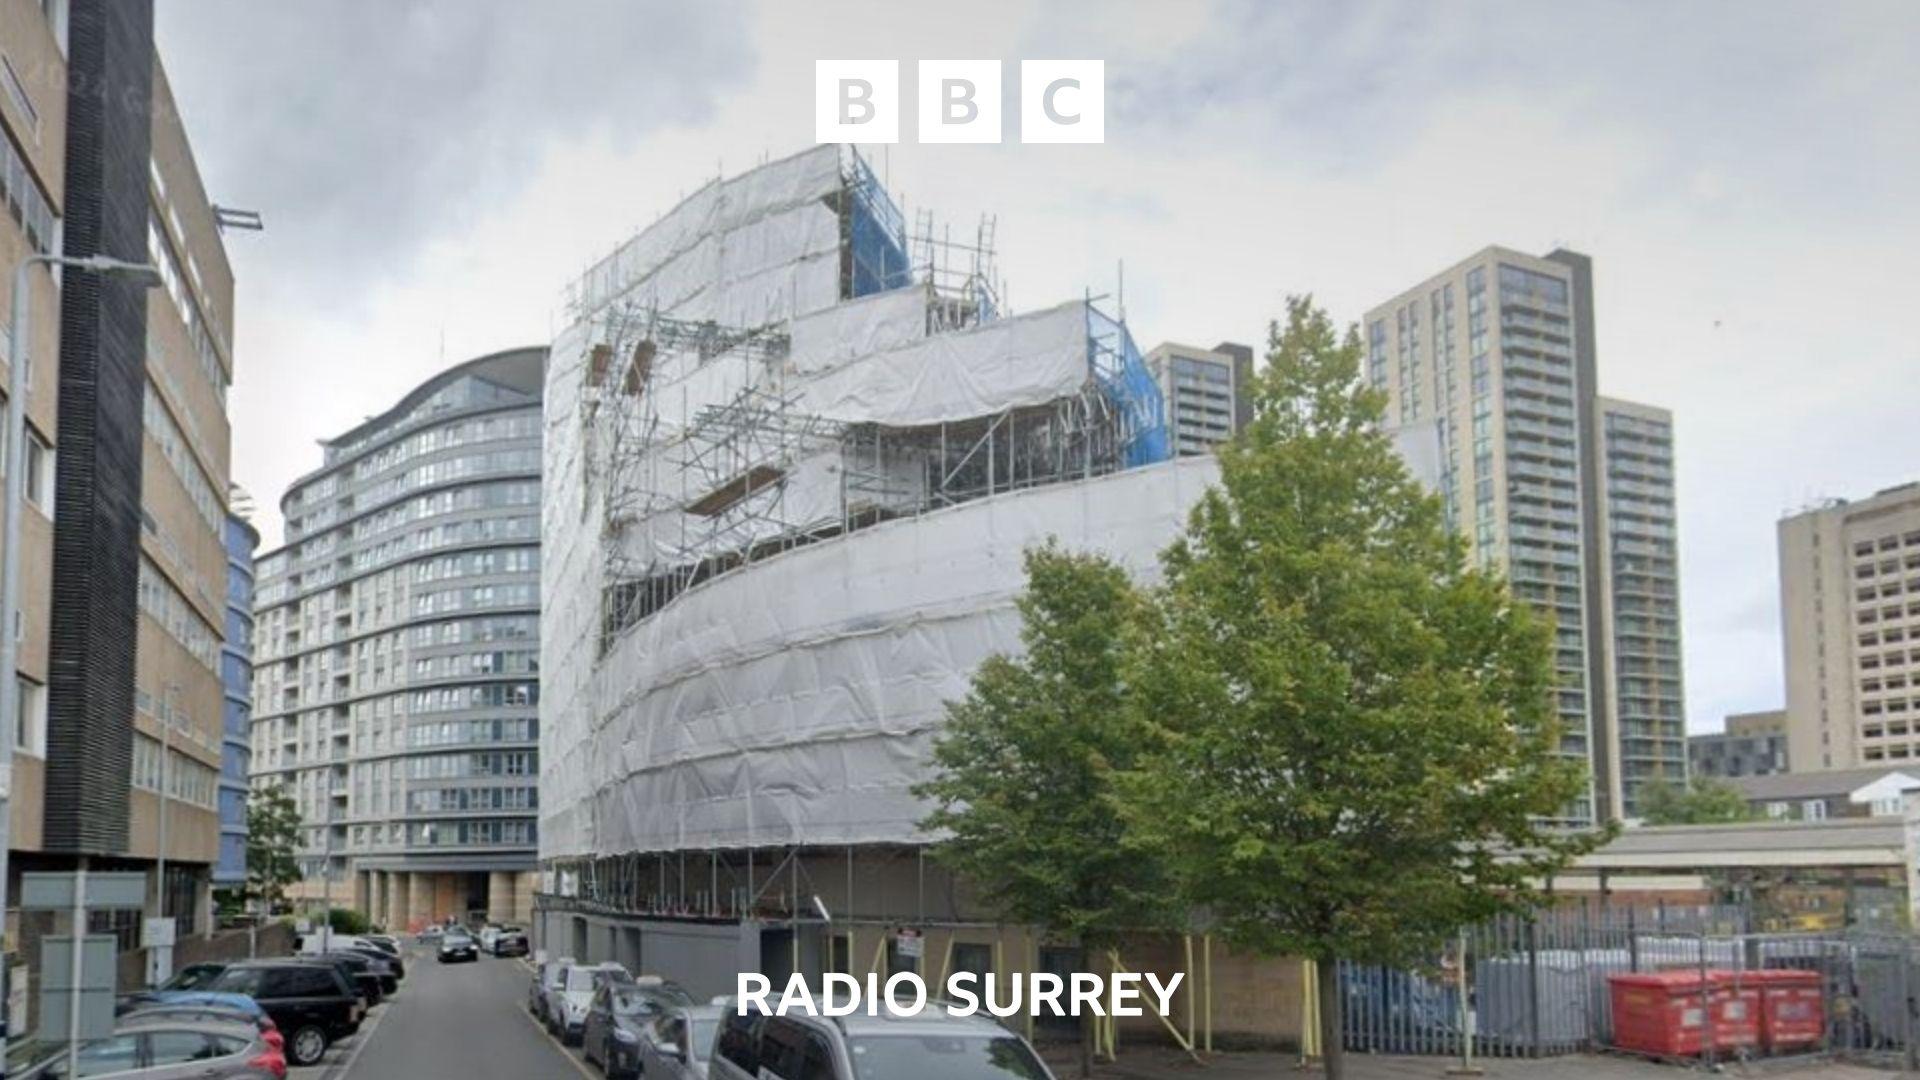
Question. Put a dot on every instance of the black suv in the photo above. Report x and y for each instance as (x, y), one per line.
(313, 1004)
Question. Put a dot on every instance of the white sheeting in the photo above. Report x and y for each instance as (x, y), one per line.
(976, 372)
(794, 700)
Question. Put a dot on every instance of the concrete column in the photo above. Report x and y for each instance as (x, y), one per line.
(420, 899)
(399, 916)
(377, 897)
(500, 896)
(523, 886)
(363, 892)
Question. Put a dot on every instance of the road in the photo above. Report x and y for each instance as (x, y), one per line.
(457, 1021)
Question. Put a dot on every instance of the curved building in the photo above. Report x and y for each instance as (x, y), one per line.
(793, 460)
(236, 680)
(397, 653)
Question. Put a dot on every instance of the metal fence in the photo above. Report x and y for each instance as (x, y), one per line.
(1539, 986)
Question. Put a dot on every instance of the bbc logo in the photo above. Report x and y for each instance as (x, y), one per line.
(1061, 101)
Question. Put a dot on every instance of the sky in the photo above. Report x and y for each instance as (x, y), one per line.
(433, 172)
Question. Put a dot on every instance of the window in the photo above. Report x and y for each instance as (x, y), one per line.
(39, 476)
(1814, 810)
(180, 1047)
(31, 735)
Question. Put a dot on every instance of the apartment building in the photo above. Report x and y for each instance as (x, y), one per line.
(396, 678)
(1567, 493)
(123, 550)
(236, 679)
(1850, 621)
(1206, 392)
(1749, 744)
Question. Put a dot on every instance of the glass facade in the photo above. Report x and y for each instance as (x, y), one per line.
(397, 681)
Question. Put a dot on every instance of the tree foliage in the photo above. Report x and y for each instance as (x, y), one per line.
(1355, 739)
(273, 835)
(1025, 767)
(1706, 801)
(1327, 730)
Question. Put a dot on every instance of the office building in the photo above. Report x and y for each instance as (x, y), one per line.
(1493, 364)
(1850, 621)
(1751, 744)
(1205, 392)
(397, 657)
(122, 544)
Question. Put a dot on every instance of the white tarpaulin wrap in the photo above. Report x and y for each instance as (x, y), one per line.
(792, 699)
(795, 701)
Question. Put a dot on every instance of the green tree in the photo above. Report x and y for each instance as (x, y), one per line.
(273, 834)
(1355, 737)
(1706, 801)
(1025, 767)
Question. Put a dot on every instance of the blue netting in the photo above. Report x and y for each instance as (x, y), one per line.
(1122, 373)
(878, 234)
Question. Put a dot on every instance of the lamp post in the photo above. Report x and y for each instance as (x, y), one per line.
(20, 339)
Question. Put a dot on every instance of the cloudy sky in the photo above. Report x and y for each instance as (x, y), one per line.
(432, 172)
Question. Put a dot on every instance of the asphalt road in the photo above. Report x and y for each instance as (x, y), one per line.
(458, 1022)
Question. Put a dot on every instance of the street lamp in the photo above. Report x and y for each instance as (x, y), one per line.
(146, 276)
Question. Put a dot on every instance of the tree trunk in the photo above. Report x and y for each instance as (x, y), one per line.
(1333, 1051)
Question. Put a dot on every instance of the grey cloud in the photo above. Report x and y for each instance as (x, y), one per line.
(362, 129)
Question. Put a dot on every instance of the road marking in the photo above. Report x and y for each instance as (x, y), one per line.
(558, 1045)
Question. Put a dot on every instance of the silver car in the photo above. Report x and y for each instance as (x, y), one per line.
(676, 1045)
(545, 978)
(571, 995)
(157, 1049)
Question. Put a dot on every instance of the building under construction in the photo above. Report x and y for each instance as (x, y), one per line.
(793, 454)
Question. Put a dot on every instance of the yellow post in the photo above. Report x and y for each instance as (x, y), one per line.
(1309, 1011)
(1165, 1020)
(946, 959)
(1206, 957)
(879, 951)
(1188, 992)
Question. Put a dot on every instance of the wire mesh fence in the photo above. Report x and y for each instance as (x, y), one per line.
(1679, 983)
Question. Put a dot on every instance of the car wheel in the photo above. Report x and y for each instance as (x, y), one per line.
(307, 1046)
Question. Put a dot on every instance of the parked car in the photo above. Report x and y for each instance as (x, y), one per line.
(369, 983)
(486, 936)
(545, 977)
(157, 1049)
(458, 945)
(240, 1003)
(384, 942)
(678, 1042)
(617, 1014)
(251, 1015)
(193, 977)
(314, 1004)
(511, 942)
(568, 999)
(932, 1043)
(380, 956)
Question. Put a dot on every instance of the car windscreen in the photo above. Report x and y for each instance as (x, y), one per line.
(628, 1003)
(240, 981)
(580, 979)
(943, 1057)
